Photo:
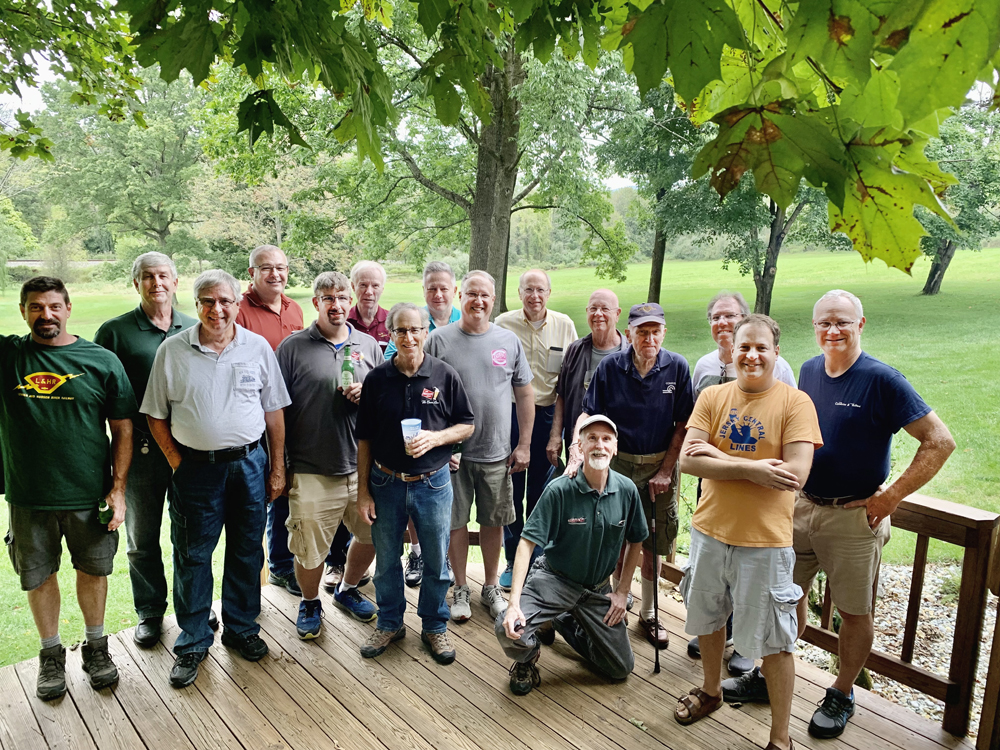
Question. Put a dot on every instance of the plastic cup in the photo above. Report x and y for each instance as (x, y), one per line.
(410, 429)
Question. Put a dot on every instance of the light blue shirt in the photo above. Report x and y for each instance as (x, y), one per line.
(455, 315)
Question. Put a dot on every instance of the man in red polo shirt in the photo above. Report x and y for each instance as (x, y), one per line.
(368, 283)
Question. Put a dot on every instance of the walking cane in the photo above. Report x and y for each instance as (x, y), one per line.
(656, 588)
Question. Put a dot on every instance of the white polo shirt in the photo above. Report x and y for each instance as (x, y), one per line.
(214, 401)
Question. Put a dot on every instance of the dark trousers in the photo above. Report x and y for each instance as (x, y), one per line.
(534, 479)
(145, 492)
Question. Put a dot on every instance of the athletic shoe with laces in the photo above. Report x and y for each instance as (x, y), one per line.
(507, 577)
(524, 676)
(492, 598)
(440, 646)
(332, 577)
(461, 609)
(251, 646)
(51, 682)
(355, 605)
(748, 688)
(310, 619)
(831, 717)
(185, 669)
(413, 574)
(379, 641)
(101, 671)
(287, 581)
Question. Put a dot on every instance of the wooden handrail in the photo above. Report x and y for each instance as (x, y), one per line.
(989, 721)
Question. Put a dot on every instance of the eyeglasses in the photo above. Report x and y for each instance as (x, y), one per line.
(602, 310)
(535, 290)
(840, 325)
(268, 269)
(209, 303)
(726, 317)
(400, 332)
(341, 298)
(478, 295)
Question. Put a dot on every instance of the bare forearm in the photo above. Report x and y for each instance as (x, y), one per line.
(632, 553)
(524, 402)
(926, 463)
(455, 434)
(674, 449)
(522, 561)
(558, 413)
(161, 434)
(274, 422)
(711, 467)
(121, 452)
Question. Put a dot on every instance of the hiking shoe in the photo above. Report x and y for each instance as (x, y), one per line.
(832, 715)
(97, 663)
(414, 572)
(332, 577)
(379, 641)
(51, 682)
(310, 619)
(287, 582)
(492, 598)
(440, 646)
(507, 577)
(461, 609)
(355, 605)
(147, 632)
(185, 669)
(748, 688)
(251, 647)
(739, 664)
(524, 676)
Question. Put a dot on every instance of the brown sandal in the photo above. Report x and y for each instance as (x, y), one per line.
(706, 705)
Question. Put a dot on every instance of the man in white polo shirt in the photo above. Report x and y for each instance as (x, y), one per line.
(212, 392)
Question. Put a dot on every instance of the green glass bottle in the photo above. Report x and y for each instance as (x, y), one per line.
(347, 369)
(105, 512)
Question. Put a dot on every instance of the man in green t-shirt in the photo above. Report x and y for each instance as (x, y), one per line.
(56, 393)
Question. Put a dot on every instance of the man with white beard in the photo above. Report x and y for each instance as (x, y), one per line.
(581, 523)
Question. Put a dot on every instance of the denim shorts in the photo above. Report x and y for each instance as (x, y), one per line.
(754, 584)
(34, 543)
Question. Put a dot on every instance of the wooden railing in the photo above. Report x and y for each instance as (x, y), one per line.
(989, 722)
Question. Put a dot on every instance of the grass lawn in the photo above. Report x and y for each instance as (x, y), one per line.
(944, 345)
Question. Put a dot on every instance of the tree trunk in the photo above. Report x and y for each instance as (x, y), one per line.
(763, 276)
(945, 253)
(659, 250)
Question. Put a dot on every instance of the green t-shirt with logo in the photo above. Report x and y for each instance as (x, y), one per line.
(54, 405)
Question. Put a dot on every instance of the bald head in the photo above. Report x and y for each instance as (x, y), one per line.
(603, 312)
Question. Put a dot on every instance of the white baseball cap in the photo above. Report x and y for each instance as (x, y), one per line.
(594, 419)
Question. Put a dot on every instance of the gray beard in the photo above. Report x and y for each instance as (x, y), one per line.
(599, 464)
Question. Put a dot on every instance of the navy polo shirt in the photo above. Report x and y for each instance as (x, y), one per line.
(434, 395)
(646, 410)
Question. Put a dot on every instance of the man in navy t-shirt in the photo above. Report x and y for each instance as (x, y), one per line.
(842, 513)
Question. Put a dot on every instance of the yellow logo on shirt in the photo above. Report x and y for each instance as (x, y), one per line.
(44, 382)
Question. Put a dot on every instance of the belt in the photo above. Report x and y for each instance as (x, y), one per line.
(406, 477)
(643, 458)
(595, 588)
(827, 501)
(224, 455)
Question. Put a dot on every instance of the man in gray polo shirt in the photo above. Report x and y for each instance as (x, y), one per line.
(493, 367)
(212, 392)
(324, 485)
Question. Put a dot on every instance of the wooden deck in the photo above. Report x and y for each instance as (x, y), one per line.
(322, 694)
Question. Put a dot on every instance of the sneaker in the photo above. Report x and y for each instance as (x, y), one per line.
(451, 573)
(287, 582)
(461, 609)
(97, 663)
(507, 577)
(832, 715)
(51, 682)
(440, 646)
(310, 619)
(629, 602)
(332, 577)
(492, 598)
(185, 669)
(739, 664)
(251, 647)
(748, 688)
(355, 605)
(379, 641)
(524, 676)
(414, 572)
(694, 651)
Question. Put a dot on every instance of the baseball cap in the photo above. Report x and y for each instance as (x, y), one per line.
(594, 419)
(647, 312)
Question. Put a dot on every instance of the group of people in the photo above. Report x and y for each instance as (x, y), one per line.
(333, 440)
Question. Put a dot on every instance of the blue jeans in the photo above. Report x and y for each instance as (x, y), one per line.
(280, 561)
(148, 480)
(536, 477)
(204, 499)
(428, 502)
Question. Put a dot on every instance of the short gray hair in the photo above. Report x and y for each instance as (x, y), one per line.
(213, 278)
(438, 266)
(330, 280)
(152, 260)
(401, 307)
(548, 279)
(478, 275)
(726, 294)
(841, 294)
(366, 265)
(261, 249)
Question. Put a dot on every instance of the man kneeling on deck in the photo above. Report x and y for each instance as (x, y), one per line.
(581, 522)
(752, 441)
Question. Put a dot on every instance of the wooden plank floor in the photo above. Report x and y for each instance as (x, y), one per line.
(322, 694)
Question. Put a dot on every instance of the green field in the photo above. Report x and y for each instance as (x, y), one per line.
(945, 345)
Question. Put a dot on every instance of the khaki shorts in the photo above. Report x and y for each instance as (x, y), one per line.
(489, 486)
(316, 506)
(840, 541)
(667, 520)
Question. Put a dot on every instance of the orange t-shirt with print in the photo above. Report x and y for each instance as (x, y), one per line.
(753, 426)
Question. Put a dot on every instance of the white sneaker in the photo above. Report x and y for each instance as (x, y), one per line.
(461, 610)
(492, 599)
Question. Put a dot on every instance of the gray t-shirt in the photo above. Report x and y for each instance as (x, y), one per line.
(320, 423)
(214, 401)
(596, 355)
(490, 364)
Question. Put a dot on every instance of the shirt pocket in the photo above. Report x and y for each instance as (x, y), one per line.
(553, 363)
(246, 378)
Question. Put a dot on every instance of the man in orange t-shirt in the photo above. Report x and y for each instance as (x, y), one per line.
(752, 442)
